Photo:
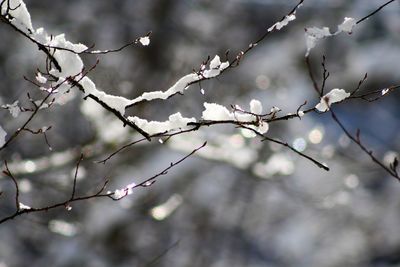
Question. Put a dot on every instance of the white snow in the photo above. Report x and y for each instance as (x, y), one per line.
(313, 34)
(19, 12)
(263, 127)
(145, 41)
(215, 62)
(216, 112)
(13, 108)
(60, 41)
(334, 96)
(2, 136)
(70, 62)
(174, 122)
(63, 94)
(120, 193)
(40, 78)
(347, 25)
(385, 91)
(279, 25)
(216, 67)
(275, 109)
(22, 206)
(127, 190)
(117, 103)
(178, 87)
(40, 35)
(224, 65)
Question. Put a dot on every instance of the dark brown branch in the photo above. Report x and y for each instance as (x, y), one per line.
(46, 50)
(285, 144)
(319, 164)
(150, 181)
(9, 174)
(113, 50)
(40, 45)
(19, 130)
(120, 149)
(374, 12)
(40, 131)
(359, 84)
(377, 93)
(162, 254)
(310, 73)
(264, 137)
(356, 139)
(98, 194)
(64, 204)
(38, 107)
(76, 177)
(261, 38)
(172, 164)
(125, 121)
(202, 123)
(235, 62)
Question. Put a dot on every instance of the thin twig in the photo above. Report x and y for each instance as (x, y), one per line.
(374, 12)
(9, 174)
(310, 73)
(172, 164)
(97, 194)
(285, 144)
(19, 130)
(162, 254)
(356, 139)
(76, 176)
(64, 204)
(325, 75)
(235, 62)
(359, 84)
(319, 164)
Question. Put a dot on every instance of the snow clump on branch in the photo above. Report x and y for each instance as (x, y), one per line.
(334, 96)
(20, 16)
(174, 122)
(314, 34)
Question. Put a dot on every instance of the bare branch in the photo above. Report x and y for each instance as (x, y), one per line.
(8, 173)
(374, 12)
(310, 73)
(357, 141)
(150, 181)
(76, 176)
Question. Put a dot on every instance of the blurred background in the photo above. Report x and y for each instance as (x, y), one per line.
(239, 201)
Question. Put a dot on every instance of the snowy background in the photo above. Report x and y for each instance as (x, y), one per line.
(239, 202)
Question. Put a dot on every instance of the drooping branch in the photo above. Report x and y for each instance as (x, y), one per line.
(127, 190)
(231, 64)
(392, 170)
(23, 209)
